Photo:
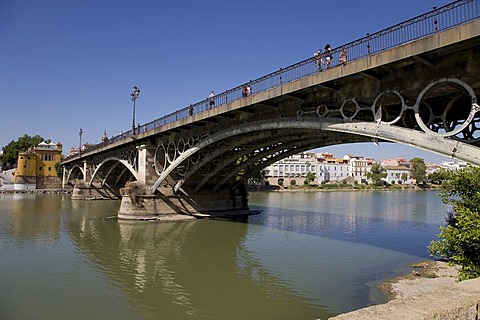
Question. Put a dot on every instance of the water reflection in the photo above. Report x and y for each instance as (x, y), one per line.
(32, 218)
(201, 269)
(400, 221)
(307, 256)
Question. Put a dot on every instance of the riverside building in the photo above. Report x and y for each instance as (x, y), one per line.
(324, 166)
(36, 167)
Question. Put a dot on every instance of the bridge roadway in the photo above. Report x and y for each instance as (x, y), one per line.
(400, 85)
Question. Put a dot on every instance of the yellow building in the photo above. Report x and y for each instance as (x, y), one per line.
(36, 167)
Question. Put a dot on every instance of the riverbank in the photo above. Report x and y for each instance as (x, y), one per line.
(429, 291)
(45, 191)
(425, 277)
(343, 187)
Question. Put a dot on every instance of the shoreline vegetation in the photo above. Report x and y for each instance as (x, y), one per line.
(344, 187)
(291, 188)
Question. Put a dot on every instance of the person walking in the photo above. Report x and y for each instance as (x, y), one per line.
(328, 55)
(317, 57)
(249, 90)
(342, 58)
(211, 97)
(244, 91)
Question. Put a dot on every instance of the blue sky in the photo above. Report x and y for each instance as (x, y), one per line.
(71, 64)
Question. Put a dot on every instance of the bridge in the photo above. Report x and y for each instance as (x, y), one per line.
(415, 83)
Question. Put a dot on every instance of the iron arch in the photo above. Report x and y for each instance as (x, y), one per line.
(121, 161)
(421, 140)
(74, 169)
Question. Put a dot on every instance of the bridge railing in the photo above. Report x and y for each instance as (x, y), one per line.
(439, 19)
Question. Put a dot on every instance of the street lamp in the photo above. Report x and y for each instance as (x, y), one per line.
(134, 96)
(80, 143)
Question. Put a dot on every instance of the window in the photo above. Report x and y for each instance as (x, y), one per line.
(49, 168)
(39, 168)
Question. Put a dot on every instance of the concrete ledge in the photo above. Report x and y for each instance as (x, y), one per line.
(459, 301)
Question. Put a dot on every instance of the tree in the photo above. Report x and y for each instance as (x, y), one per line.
(419, 170)
(460, 238)
(309, 178)
(258, 176)
(435, 177)
(58, 169)
(377, 173)
(11, 150)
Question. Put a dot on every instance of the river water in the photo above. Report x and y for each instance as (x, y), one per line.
(306, 256)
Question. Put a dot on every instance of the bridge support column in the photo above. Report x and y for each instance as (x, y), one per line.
(145, 163)
(64, 177)
(86, 173)
(138, 203)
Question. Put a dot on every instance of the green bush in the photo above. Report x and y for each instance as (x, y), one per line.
(460, 238)
(293, 182)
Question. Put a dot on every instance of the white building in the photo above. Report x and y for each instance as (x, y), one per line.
(452, 165)
(291, 168)
(325, 167)
(333, 172)
(360, 166)
(398, 174)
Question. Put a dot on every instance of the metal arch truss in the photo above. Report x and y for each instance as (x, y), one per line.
(70, 172)
(228, 153)
(231, 154)
(116, 161)
(441, 123)
(128, 155)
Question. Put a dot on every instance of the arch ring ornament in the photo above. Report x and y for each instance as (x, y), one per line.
(342, 109)
(402, 101)
(474, 108)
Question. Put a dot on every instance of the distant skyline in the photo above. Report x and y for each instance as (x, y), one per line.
(66, 65)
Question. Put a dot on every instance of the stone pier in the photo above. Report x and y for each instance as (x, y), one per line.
(138, 203)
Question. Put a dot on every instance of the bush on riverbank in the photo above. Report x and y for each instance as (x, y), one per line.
(460, 238)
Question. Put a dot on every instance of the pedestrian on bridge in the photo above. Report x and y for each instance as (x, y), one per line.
(328, 55)
(342, 58)
(249, 90)
(212, 99)
(318, 58)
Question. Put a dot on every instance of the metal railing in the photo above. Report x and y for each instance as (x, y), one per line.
(439, 19)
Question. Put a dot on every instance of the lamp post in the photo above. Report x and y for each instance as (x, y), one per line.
(80, 142)
(134, 95)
